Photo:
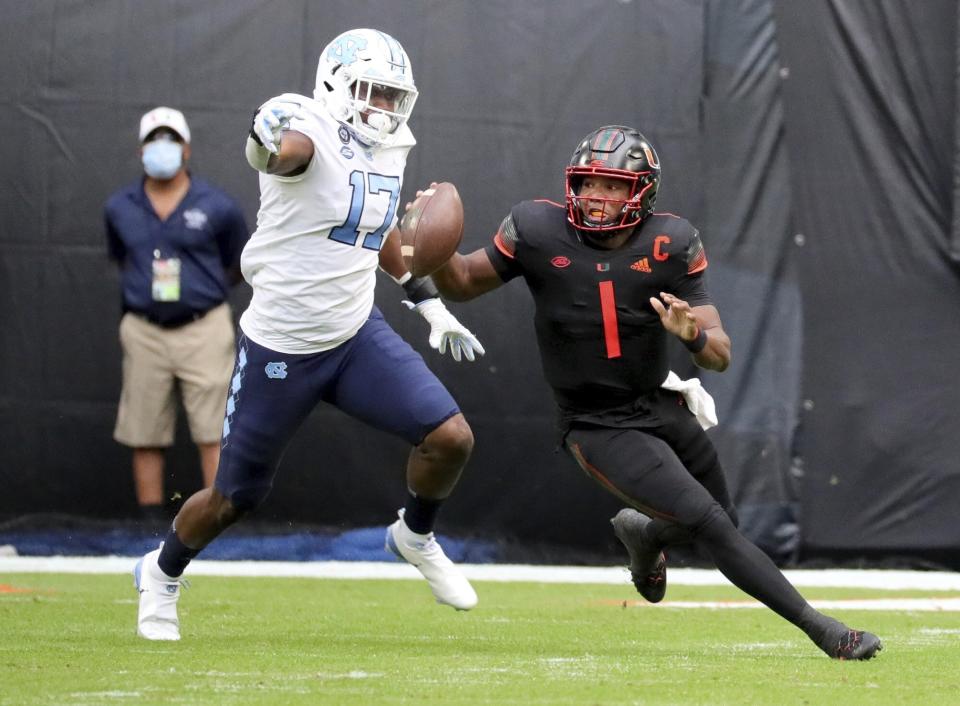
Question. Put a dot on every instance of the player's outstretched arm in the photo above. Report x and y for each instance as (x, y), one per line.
(698, 328)
(272, 147)
(466, 277)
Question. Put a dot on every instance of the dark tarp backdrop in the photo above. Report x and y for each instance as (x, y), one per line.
(814, 144)
(870, 132)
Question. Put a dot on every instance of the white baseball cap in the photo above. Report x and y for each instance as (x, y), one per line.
(164, 117)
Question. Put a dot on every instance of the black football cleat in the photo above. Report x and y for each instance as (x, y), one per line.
(648, 565)
(857, 644)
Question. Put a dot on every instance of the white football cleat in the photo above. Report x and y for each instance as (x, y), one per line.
(157, 618)
(449, 586)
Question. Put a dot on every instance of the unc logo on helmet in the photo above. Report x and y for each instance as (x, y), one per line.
(276, 371)
(344, 48)
(365, 82)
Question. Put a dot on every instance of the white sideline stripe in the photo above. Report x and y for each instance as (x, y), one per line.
(889, 604)
(880, 579)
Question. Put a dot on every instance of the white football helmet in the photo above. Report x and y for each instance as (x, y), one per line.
(357, 67)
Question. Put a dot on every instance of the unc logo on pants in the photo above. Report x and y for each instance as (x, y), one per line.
(277, 371)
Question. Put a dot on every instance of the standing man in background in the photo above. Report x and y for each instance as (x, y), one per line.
(177, 240)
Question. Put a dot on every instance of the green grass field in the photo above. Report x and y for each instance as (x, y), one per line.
(70, 639)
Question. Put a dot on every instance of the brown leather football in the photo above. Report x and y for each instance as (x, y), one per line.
(431, 229)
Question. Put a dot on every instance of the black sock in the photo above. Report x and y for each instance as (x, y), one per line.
(822, 629)
(753, 572)
(175, 555)
(420, 513)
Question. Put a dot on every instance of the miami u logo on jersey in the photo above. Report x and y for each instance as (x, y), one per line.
(346, 48)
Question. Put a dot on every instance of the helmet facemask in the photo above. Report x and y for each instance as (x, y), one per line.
(631, 209)
(377, 124)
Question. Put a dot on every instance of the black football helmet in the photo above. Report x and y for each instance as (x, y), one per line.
(619, 152)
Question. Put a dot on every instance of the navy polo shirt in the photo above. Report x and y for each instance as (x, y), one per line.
(206, 233)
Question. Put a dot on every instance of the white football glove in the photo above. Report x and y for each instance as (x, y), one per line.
(446, 330)
(271, 119)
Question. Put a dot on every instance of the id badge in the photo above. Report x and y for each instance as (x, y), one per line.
(166, 279)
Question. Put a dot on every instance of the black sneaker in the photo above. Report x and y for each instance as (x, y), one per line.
(856, 644)
(648, 565)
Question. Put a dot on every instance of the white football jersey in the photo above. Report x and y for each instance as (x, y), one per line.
(312, 260)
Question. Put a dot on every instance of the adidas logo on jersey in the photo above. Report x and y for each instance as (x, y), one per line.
(641, 265)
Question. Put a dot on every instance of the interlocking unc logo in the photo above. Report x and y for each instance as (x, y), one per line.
(345, 50)
(277, 371)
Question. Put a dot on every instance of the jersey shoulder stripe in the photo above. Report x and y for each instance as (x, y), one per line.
(552, 203)
(525, 212)
(696, 256)
(667, 214)
(505, 238)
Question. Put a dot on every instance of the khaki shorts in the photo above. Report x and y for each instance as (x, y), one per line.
(199, 355)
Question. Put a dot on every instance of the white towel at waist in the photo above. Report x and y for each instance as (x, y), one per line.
(698, 400)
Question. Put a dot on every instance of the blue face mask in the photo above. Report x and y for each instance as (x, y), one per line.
(162, 159)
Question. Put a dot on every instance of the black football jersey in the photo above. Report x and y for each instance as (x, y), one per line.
(601, 343)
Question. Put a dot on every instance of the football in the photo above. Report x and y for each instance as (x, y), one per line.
(431, 229)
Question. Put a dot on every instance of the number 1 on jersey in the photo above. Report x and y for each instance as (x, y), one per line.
(348, 232)
(608, 310)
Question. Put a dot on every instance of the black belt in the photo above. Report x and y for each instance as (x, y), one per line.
(176, 322)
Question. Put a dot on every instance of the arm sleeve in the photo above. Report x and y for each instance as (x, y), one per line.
(696, 255)
(691, 286)
(503, 250)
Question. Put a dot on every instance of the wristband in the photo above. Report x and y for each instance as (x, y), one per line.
(420, 289)
(698, 342)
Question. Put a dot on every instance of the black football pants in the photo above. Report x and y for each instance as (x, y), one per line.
(671, 473)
